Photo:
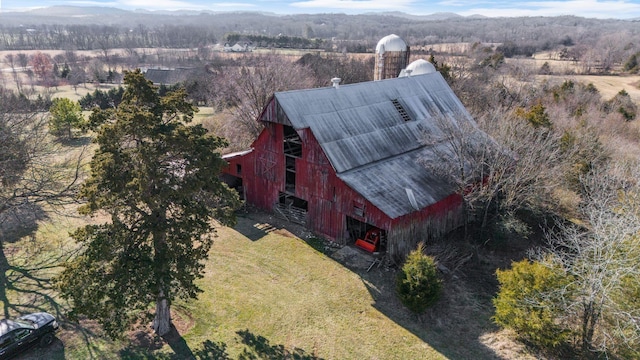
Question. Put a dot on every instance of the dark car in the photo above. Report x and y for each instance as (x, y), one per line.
(18, 335)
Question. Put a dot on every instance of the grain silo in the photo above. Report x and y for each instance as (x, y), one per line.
(392, 55)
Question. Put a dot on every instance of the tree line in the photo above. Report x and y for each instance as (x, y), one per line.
(100, 37)
(524, 35)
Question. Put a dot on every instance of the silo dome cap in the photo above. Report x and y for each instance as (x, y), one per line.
(419, 67)
(391, 42)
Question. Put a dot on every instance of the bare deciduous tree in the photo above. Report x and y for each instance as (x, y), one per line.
(23, 60)
(539, 160)
(602, 260)
(11, 60)
(33, 169)
(509, 166)
(459, 153)
(42, 67)
(249, 89)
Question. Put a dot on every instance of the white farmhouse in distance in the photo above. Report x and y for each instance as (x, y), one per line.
(237, 47)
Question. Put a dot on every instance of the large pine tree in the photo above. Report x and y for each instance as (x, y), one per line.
(156, 177)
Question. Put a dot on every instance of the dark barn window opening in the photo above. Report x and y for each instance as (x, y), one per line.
(290, 181)
(292, 208)
(292, 151)
(290, 163)
(292, 142)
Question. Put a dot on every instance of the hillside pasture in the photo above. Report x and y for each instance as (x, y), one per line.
(610, 85)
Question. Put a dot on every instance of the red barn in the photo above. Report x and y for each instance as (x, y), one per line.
(347, 159)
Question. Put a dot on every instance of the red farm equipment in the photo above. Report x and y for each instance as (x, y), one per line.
(371, 241)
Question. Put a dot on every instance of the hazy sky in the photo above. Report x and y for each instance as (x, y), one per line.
(622, 9)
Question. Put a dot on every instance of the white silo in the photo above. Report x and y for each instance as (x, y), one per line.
(392, 55)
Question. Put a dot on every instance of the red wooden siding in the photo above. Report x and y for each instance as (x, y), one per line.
(329, 199)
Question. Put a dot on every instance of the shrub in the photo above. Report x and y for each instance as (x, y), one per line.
(418, 285)
(529, 302)
(584, 152)
(536, 116)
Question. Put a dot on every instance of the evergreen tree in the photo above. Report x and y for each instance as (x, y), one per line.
(65, 116)
(157, 179)
(417, 284)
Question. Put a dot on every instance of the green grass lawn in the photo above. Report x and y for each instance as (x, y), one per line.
(280, 288)
(265, 293)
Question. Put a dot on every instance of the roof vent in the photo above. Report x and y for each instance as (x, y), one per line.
(403, 113)
(336, 82)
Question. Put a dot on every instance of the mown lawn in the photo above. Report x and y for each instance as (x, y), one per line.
(280, 288)
(265, 293)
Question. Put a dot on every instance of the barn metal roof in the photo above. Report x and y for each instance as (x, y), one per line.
(236, 154)
(168, 76)
(374, 144)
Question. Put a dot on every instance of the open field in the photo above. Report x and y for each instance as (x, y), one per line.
(68, 91)
(608, 86)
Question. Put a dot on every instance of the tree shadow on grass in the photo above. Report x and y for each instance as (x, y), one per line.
(259, 348)
(442, 327)
(256, 348)
(178, 344)
(212, 351)
(145, 347)
(76, 142)
(134, 353)
(145, 344)
(209, 351)
(26, 272)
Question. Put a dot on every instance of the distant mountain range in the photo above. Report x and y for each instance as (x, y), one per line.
(99, 11)
(57, 11)
(101, 14)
